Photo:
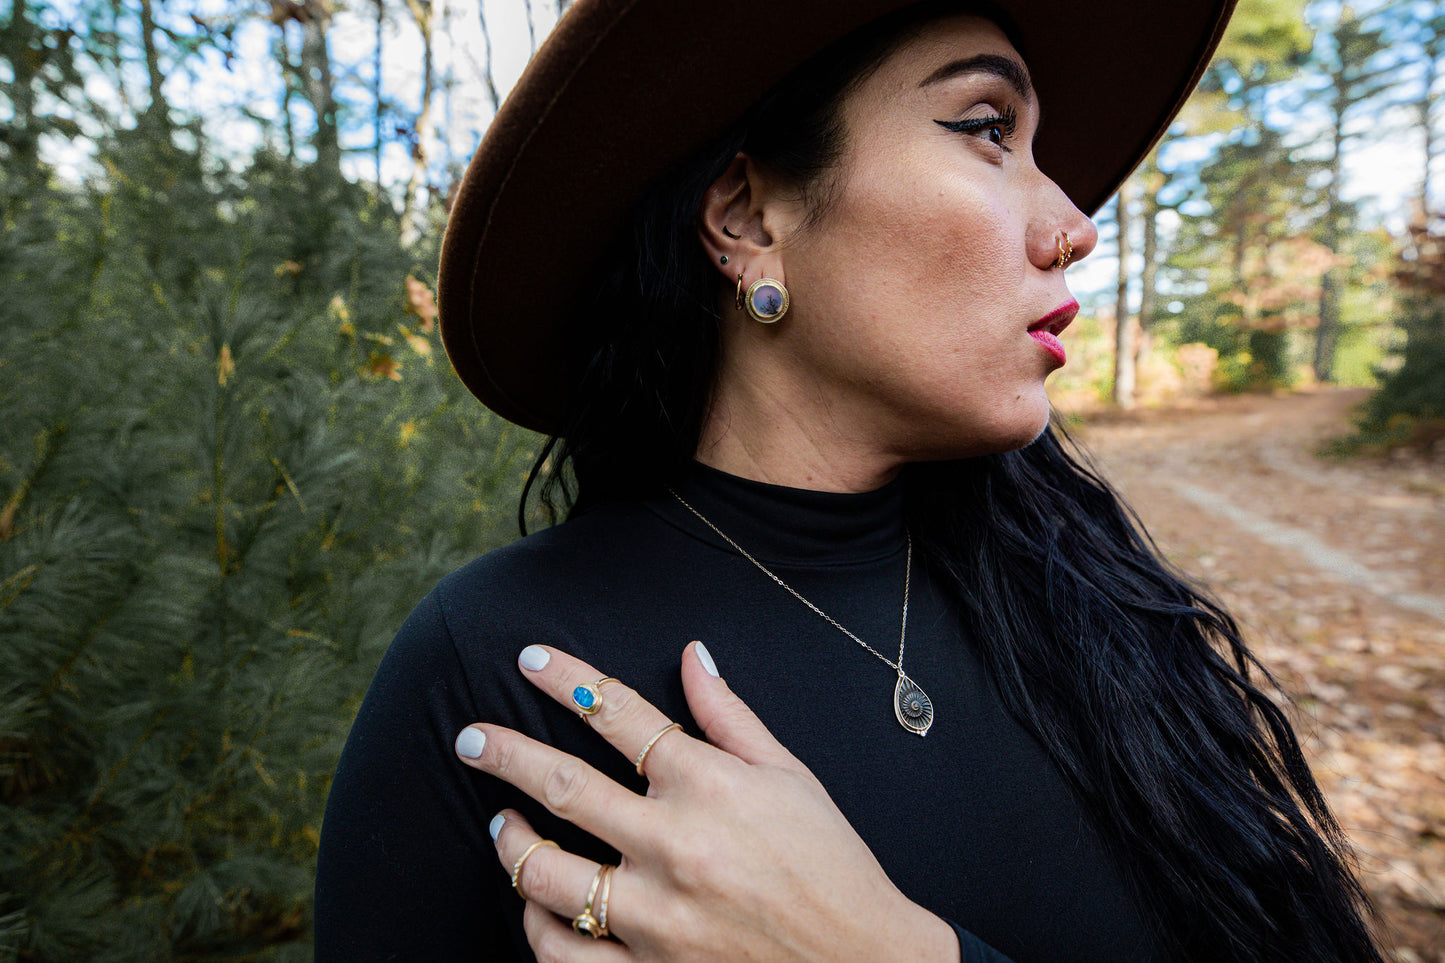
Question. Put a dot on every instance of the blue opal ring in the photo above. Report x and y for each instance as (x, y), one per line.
(587, 697)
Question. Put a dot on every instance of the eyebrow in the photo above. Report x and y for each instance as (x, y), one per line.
(1006, 67)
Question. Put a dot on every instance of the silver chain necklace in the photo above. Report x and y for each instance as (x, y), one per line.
(911, 704)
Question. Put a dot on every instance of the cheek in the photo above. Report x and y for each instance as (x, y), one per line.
(927, 231)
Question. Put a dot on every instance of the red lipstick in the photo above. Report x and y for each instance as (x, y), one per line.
(1046, 329)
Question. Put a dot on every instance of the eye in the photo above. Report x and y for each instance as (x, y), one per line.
(998, 128)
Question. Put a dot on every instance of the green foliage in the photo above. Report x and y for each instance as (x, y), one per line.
(1266, 35)
(1408, 409)
(232, 459)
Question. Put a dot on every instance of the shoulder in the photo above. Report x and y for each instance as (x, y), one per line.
(548, 566)
(560, 585)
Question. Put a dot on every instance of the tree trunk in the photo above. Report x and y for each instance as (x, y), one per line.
(316, 81)
(289, 70)
(1425, 103)
(1149, 277)
(376, 88)
(1124, 328)
(1327, 335)
(1434, 50)
(426, 14)
(21, 40)
(489, 80)
(156, 112)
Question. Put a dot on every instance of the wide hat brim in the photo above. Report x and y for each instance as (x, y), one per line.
(624, 90)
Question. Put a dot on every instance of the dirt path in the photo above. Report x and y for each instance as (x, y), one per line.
(1337, 570)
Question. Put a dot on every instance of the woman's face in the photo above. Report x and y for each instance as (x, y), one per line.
(915, 292)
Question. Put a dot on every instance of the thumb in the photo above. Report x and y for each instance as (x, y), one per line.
(725, 719)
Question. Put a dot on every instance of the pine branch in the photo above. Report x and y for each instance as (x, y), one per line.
(45, 448)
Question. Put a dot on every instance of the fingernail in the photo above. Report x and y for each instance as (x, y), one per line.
(495, 826)
(705, 658)
(470, 742)
(534, 657)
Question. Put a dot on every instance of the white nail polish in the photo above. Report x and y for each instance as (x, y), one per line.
(534, 658)
(470, 742)
(495, 826)
(705, 658)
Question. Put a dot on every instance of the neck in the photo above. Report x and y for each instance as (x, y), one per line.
(763, 430)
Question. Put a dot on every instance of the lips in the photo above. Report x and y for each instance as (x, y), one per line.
(1046, 329)
(1056, 320)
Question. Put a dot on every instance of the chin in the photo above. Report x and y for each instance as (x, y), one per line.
(939, 427)
(1021, 440)
(977, 440)
(1008, 429)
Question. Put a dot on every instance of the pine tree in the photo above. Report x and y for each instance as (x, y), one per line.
(232, 459)
(1409, 406)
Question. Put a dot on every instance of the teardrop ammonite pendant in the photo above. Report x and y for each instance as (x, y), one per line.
(912, 706)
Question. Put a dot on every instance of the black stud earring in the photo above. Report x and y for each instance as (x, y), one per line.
(723, 259)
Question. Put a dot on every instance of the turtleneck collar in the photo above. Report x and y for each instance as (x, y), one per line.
(791, 526)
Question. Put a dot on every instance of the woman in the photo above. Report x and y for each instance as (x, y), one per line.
(795, 353)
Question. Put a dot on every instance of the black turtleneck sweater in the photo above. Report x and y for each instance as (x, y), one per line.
(972, 822)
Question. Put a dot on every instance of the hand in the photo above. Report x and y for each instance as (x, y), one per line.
(736, 852)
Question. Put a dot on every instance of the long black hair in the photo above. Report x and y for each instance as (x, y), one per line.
(1136, 683)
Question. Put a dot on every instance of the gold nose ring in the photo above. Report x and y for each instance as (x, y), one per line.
(1066, 251)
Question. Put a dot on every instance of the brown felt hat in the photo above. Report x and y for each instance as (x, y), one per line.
(624, 90)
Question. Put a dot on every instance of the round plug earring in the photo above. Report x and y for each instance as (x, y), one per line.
(767, 300)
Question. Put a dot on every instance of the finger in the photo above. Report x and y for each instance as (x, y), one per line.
(553, 941)
(622, 717)
(567, 786)
(549, 877)
(725, 720)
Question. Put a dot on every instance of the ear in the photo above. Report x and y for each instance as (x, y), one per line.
(736, 222)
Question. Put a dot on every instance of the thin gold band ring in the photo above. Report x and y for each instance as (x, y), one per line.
(642, 756)
(517, 866)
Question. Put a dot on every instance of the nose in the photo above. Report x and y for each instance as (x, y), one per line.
(1083, 236)
(1057, 220)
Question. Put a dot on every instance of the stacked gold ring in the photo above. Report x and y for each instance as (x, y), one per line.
(602, 901)
(585, 922)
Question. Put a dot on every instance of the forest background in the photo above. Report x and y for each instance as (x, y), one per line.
(232, 454)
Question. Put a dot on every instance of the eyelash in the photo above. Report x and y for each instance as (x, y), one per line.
(1006, 121)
